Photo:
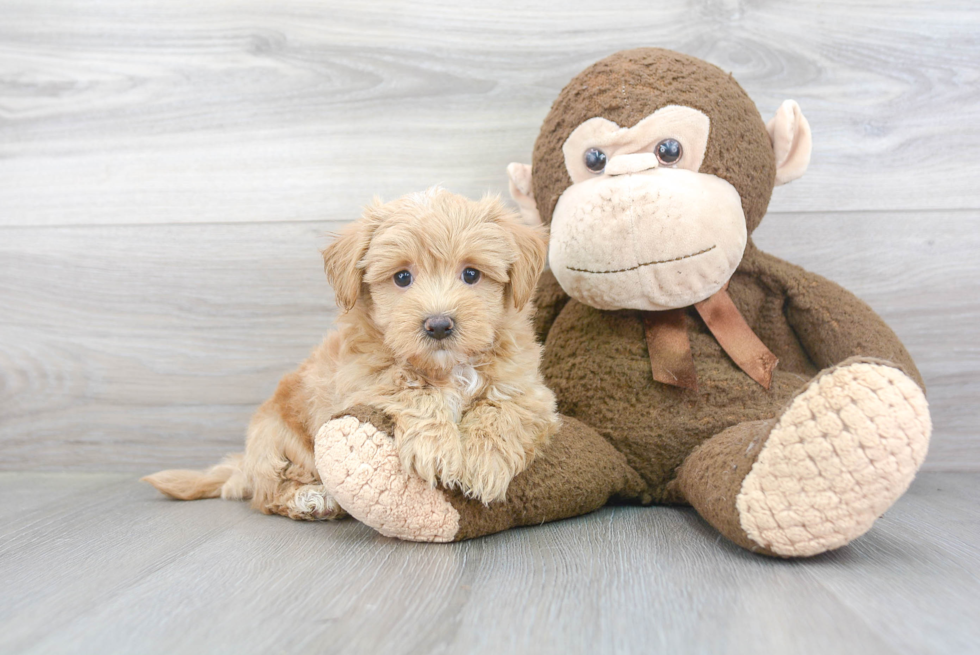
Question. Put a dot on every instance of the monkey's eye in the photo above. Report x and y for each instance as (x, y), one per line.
(471, 275)
(402, 279)
(595, 160)
(669, 151)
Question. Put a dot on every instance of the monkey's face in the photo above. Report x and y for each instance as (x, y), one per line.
(640, 227)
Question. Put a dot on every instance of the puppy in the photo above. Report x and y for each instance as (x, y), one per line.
(436, 331)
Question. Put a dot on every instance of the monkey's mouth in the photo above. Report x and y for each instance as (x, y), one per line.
(653, 263)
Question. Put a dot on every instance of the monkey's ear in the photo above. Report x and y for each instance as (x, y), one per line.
(522, 191)
(532, 251)
(341, 260)
(792, 142)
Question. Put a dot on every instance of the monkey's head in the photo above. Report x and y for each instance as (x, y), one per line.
(651, 170)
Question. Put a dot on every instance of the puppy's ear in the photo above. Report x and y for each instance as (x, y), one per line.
(341, 259)
(532, 249)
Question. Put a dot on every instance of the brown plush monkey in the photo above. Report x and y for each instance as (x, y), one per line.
(663, 325)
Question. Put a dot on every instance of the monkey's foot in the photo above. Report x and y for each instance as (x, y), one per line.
(843, 451)
(359, 466)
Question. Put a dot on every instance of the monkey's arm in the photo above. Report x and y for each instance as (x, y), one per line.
(831, 323)
(549, 299)
(575, 473)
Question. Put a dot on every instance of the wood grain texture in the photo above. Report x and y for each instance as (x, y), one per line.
(122, 344)
(118, 569)
(117, 112)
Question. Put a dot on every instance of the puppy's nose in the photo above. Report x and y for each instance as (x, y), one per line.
(438, 327)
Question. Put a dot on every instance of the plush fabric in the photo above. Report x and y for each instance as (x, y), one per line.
(358, 463)
(791, 141)
(790, 470)
(711, 478)
(597, 255)
(626, 87)
(837, 458)
(840, 454)
(669, 122)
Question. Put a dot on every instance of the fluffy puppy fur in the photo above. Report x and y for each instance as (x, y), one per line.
(470, 408)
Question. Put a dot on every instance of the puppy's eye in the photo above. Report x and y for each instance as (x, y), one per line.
(595, 160)
(471, 275)
(669, 151)
(402, 279)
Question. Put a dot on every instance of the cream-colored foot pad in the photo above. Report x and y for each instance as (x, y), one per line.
(846, 448)
(360, 468)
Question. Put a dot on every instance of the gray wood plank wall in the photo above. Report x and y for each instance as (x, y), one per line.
(168, 170)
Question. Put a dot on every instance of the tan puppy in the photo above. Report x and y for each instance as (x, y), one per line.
(436, 332)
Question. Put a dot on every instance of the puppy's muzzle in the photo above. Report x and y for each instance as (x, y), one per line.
(438, 327)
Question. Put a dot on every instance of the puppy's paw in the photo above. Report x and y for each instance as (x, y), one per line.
(312, 503)
(433, 454)
(490, 462)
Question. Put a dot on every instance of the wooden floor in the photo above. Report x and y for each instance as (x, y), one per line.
(168, 171)
(98, 563)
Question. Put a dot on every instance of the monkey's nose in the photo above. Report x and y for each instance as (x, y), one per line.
(635, 163)
(438, 327)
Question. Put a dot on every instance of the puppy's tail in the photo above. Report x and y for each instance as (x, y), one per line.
(226, 480)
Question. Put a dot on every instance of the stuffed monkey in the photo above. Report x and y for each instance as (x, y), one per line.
(690, 367)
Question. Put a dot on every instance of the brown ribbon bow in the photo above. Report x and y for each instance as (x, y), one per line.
(670, 347)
